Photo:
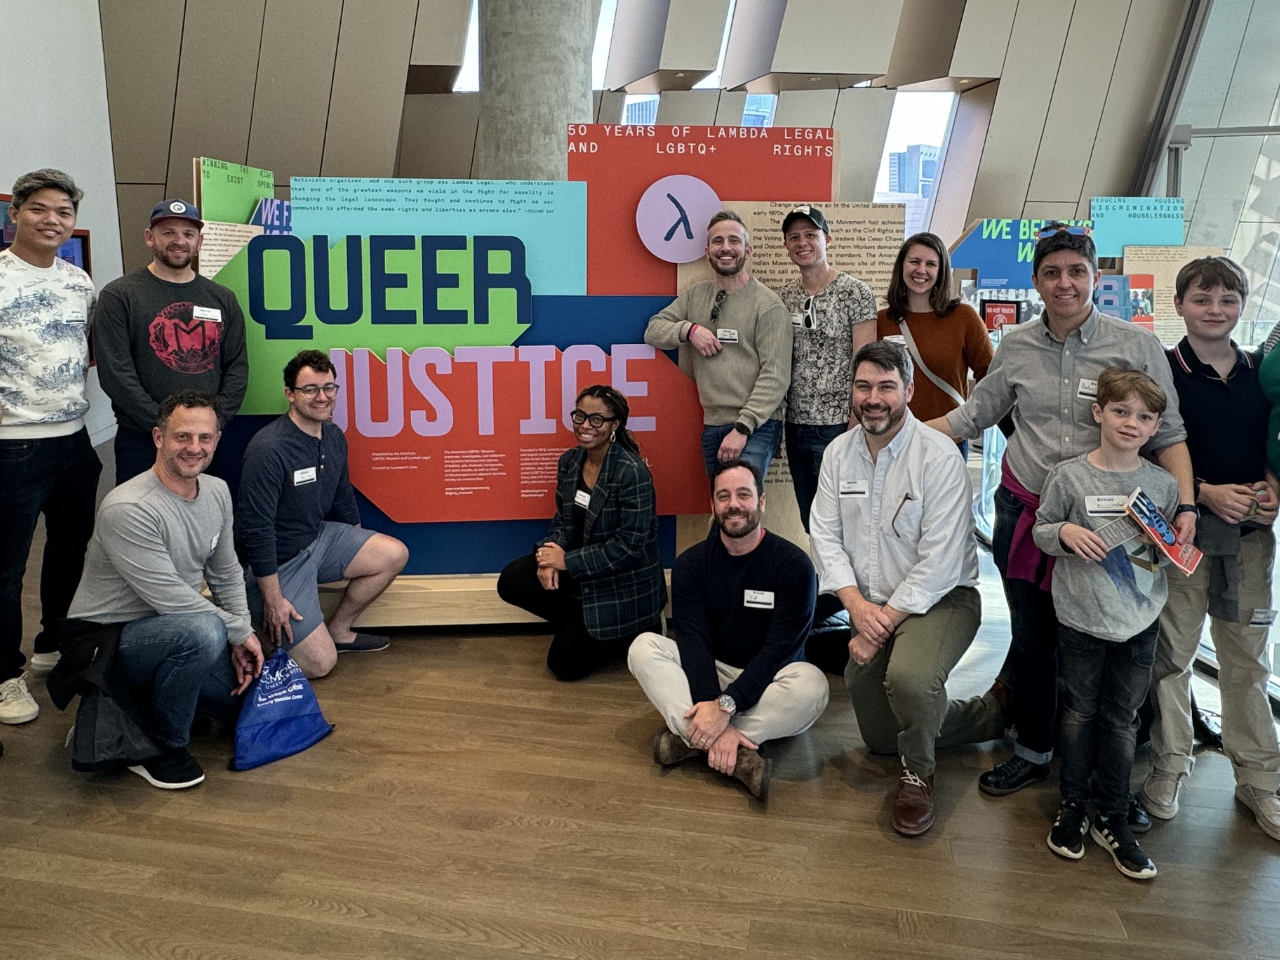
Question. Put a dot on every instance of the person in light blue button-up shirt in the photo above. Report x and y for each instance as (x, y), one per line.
(892, 536)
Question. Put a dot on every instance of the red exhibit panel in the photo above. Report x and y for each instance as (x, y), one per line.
(619, 162)
(482, 430)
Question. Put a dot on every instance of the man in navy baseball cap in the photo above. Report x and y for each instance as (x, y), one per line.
(176, 208)
(165, 329)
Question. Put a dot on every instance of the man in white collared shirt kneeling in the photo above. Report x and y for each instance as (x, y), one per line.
(892, 537)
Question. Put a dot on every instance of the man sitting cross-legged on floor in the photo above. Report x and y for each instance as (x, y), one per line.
(892, 537)
(735, 676)
(158, 536)
(297, 526)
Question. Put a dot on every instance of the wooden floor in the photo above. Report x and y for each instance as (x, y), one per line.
(469, 806)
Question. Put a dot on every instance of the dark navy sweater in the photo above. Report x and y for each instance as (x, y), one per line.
(291, 484)
(753, 611)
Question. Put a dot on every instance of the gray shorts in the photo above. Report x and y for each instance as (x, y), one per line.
(323, 561)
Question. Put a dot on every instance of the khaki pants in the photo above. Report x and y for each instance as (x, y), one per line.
(1248, 731)
(789, 705)
(900, 697)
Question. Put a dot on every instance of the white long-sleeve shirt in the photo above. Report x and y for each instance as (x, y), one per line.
(900, 528)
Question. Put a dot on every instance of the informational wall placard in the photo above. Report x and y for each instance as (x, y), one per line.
(620, 162)
(456, 316)
(1001, 251)
(230, 191)
(865, 239)
(1163, 264)
(1119, 222)
(221, 242)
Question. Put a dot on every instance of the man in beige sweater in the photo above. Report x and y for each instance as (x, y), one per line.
(734, 338)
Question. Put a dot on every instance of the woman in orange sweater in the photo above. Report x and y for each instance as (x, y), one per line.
(950, 337)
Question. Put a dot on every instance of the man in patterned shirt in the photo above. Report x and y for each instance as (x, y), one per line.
(832, 317)
(47, 464)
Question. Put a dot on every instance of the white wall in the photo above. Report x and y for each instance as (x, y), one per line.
(54, 114)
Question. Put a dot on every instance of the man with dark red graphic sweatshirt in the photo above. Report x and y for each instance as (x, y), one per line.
(165, 329)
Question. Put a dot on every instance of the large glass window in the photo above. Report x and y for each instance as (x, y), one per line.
(913, 153)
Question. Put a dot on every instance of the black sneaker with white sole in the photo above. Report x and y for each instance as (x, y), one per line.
(1114, 835)
(1066, 839)
(1139, 822)
(175, 769)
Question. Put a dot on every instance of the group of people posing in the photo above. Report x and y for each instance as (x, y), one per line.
(124, 613)
(875, 408)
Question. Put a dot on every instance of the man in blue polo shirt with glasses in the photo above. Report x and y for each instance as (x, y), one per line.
(297, 526)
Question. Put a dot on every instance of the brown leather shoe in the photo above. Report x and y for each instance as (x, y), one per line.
(1002, 694)
(754, 771)
(913, 806)
(668, 749)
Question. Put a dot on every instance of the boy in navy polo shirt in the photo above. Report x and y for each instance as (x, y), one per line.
(1226, 416)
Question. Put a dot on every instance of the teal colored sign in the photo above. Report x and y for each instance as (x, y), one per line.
(1122, 221)
(548, 215)
(1001, 251)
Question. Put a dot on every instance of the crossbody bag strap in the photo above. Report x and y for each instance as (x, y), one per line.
(937, 381)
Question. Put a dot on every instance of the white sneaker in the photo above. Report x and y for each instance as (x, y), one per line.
(44, 662)
(17, 705)
(1265, 807)
(1160, 793)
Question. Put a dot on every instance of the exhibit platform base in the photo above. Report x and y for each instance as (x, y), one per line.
(437, 601)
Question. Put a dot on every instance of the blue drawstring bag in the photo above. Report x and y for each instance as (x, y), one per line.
(280, 716)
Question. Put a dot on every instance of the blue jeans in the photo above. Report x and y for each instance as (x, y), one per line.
(1105, 681)
(1032, 665)
(806, 443)
(759, 451)
(56, 476)
(177, 662)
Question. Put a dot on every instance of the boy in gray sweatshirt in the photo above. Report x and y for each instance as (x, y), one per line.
(1108, 600)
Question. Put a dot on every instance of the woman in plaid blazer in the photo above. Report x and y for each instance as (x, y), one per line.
(596, 576)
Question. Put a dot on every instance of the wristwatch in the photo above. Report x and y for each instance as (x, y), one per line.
(742, 428)
(1186, 508)
(727, 705)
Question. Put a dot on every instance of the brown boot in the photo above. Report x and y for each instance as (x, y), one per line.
(753, 770)
(913, 806)
(668, 749)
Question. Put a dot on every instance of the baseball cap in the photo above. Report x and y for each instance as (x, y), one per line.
(176, 208)
(809, 213)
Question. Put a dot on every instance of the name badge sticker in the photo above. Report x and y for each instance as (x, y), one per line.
(1088, 389)
(301, 477)
(727, 335)
(582, 498)
(1262, 618)
(77, 316)
(853, 488)
(758, 599)
(206, 313)
(1111, 505)
(797, 319)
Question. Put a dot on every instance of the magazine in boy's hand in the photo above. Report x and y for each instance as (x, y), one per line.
(1119, 531)
(1186, 558)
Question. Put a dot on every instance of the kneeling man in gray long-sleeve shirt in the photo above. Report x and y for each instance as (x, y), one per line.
(297, 526)
(158, 536)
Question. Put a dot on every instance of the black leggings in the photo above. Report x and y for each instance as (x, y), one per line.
(574, 652)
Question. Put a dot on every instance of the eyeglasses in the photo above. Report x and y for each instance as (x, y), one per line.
(810, 312)
(595, 419)
(312, 390)
(1076, 230)
(715, 307)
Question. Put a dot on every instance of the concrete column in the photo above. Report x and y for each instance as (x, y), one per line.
(535, 79)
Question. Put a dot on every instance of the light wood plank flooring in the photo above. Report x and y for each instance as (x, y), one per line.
(469, 806)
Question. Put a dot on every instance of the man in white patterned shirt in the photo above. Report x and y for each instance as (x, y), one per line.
(892, 537)
(47, 464)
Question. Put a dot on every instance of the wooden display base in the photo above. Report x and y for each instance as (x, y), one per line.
(437, 601)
